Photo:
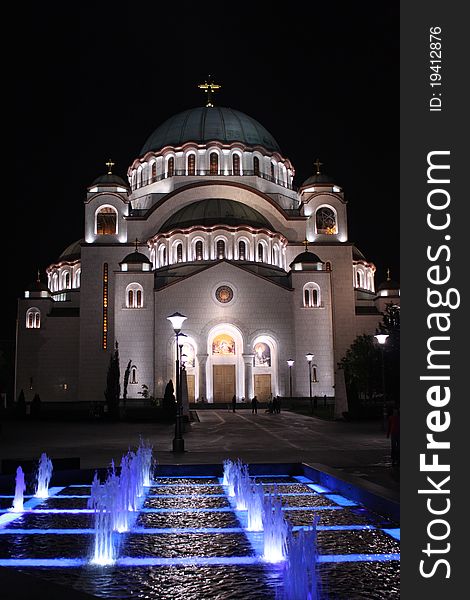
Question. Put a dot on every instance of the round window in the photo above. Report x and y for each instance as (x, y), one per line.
(224, 294)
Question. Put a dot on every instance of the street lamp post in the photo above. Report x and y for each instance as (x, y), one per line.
(177, 321)
(290, 364)
(309, 358)
(382, 340)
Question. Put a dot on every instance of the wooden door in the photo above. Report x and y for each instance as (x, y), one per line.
(191, 379)
(224, 383)
(262, 387)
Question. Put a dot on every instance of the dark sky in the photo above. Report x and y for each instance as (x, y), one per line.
(321, 77)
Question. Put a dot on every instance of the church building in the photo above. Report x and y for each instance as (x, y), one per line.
(209, 224)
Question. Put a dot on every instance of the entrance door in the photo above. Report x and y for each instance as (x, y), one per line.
(262, 387)
(191, 387)
(224, 382)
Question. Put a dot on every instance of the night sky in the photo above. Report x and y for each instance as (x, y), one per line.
(322, 78)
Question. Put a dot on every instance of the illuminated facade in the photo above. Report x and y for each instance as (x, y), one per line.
(209, 224)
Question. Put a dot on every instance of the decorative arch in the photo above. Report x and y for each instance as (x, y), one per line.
(170, 166)
(214, 162)
(134, 296)
(191, 165)
(162, 255)
(33, 318)
(221, 247)
(224, 332)
(106, 220)
(237, 163)
(262, 251)
(326, 220)
(311, 295)
(77, 278)
(266, 360)
(198, 248)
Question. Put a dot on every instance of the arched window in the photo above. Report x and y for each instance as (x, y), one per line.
(273, 177)
(260, 252)
(220, 249)
(139, 178)
(199, 250)
(164, 255)
(256, 165)
(236, 164)
(33, 318)
(154, 171)
(77, 278)
(133, 375)
(214, 163)
(325, 220)
(328, 265)
(55, 282)
(179, 252)
(171, 167)
(359, 283)
(192, 164)
(67, 280)
(106, 221)
(312, 295)
(241, 250)
(134, 296)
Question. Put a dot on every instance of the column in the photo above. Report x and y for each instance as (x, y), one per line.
(248, 360)
(202, 360)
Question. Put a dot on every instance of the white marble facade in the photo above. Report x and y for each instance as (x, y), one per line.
(212, 228)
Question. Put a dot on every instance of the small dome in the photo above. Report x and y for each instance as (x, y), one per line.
(72, 252)
(388, 285)
(136, 258)
(37, 286)
(306, 257)
(357, 254)
(318, 179)
(216, 211)
(207, 124)
(109, 179)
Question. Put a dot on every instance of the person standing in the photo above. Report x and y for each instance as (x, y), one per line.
(234, 402)
(254, 406)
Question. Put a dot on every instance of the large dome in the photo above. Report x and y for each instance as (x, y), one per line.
(205, 124)
(216, 211)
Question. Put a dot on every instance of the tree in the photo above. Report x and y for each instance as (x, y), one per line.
(362, 373)
(391, 326)
(113, 386)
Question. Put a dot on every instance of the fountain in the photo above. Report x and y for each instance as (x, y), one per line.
(20, 488)
(230, 474)
(144, 452)
(44, 476)
(255, 508)
(275, 529)
(299, 574)
(102, 500)
(116, 503)
(242, 486)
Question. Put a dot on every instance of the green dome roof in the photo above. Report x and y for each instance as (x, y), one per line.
(135, 258)
(216, 211)
(306, 257)
(206, 124)
(318, 179)
(73, 251)
(110, 179)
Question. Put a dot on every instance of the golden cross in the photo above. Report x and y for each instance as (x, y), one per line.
(388, 274)
(39, 276)
(318, 164)
(209, 89)
(306, 244)
(110, 166)
(136, 244)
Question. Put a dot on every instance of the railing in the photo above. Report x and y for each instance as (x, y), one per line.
(211, 173)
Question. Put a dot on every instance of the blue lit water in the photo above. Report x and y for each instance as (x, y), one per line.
(188, 543)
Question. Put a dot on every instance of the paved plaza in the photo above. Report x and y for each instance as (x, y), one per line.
(361, 449)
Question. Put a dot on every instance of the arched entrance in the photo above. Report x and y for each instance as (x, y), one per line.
(225, 368)
(265, 360)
